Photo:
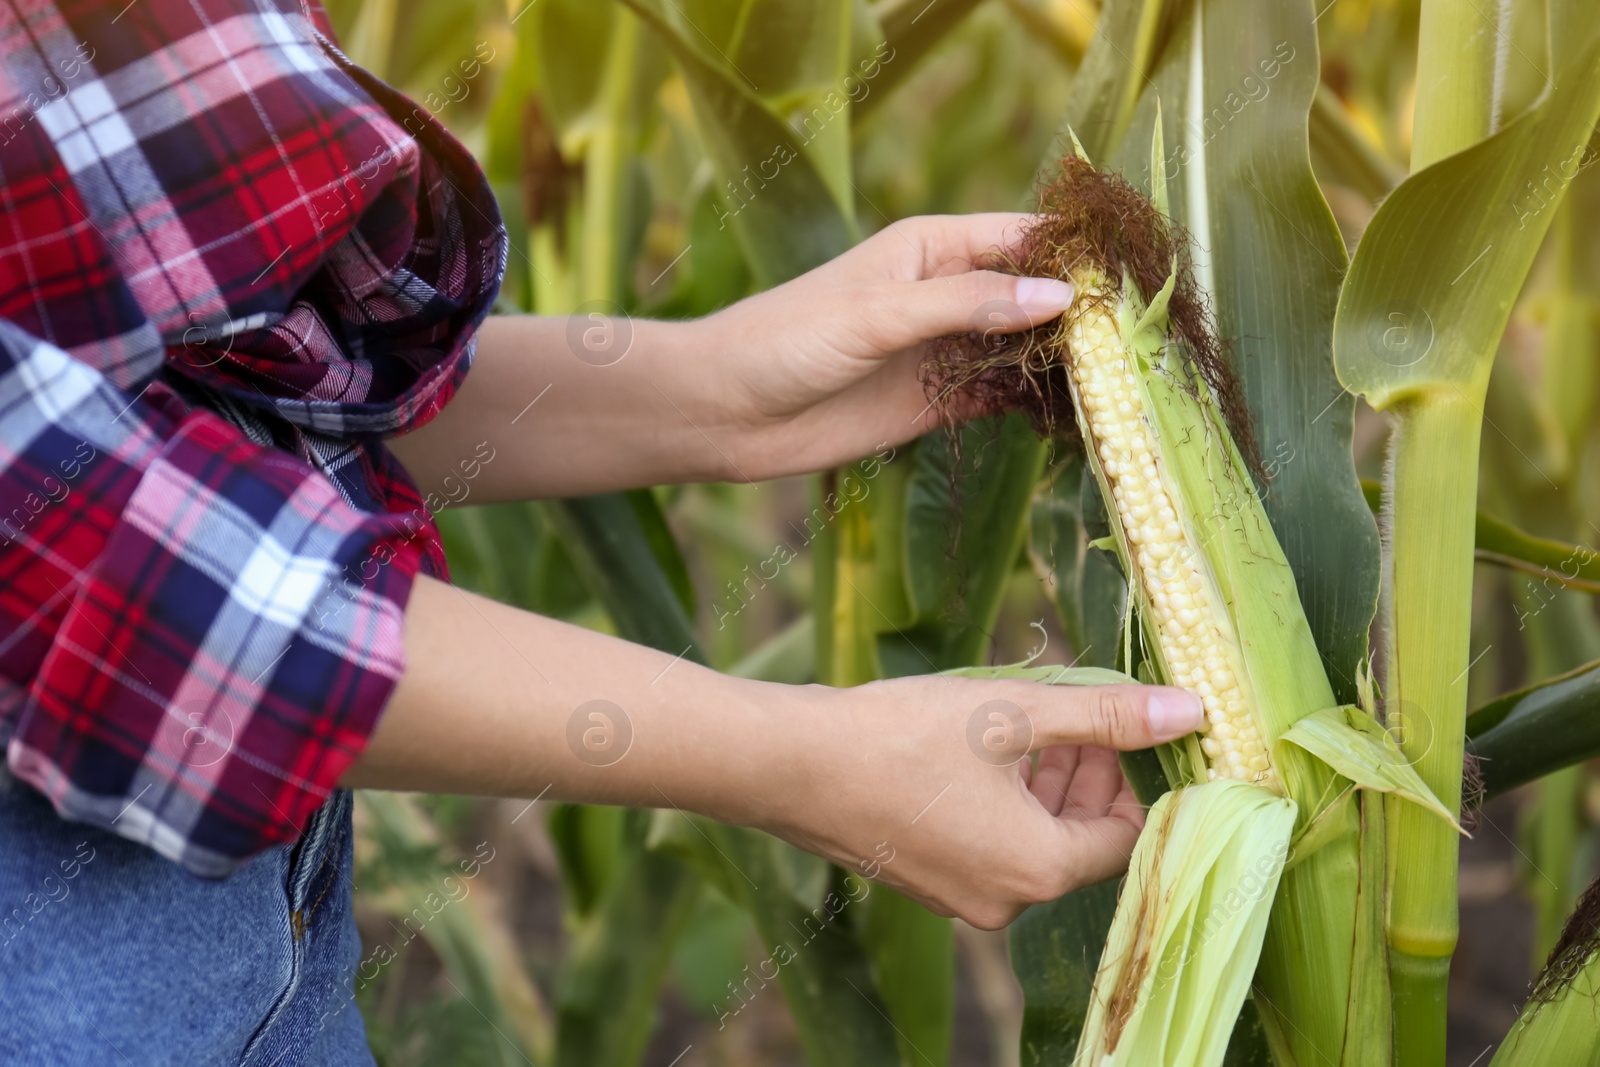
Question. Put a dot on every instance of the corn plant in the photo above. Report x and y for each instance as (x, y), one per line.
(1419, 940)
(1220, 615)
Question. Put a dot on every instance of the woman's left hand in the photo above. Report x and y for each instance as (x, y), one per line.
(824, 369)
(814, 373)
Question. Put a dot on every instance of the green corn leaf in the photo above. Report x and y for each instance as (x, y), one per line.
(1087, 589)
(1054, 947)
(468, 937)
(788, 213)
(910, 29)
(1504, 544)
(1525, 735)
(887, 499)
(619, 544)
(806, 914)
(1115, 70)
(1440, 265)
(1352, 743)
(1343, 154)
(371, 37)
(429, 43)
(1494, 712)
(845, 574)
(959, 557)
(1047, 675)
(914, 967)
(713, 272)
(562, 45)
(1189, 927)
(788, 656)
(786, 48)
(794, 55)
(1554, 562)
(611, 976)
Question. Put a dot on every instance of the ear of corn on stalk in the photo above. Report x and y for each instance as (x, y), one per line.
(1135, 363)
(1560, 1022)
(1220, 616)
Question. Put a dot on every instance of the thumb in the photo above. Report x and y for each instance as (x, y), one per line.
(979, 301)
(1124, 717)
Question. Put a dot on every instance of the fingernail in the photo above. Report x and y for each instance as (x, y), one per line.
(1043, 296)
(1173, 713)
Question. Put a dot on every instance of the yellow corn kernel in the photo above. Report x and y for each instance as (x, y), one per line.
(1199, 654)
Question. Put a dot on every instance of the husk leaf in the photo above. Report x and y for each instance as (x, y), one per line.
(1178, 963)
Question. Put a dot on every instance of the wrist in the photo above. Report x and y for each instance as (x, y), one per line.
(748, 755)
(699, 396)
(816, 753)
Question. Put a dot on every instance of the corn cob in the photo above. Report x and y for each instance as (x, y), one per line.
(1193, 632)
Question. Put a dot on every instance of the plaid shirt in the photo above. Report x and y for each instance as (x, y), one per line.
(230, 263)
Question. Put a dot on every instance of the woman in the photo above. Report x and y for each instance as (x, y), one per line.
(242, 283)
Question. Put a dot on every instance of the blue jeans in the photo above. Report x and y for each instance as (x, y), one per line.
(111, 955)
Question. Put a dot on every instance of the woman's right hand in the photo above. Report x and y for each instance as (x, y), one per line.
(924, 783)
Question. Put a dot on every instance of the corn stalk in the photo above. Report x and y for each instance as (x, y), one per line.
(1420, 316)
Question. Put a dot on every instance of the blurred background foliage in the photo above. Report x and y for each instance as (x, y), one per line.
(619, 137)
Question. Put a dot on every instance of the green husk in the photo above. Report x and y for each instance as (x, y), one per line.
(1561, 1021)
(1352, 743)
(1189, 925)
(1562, 1032)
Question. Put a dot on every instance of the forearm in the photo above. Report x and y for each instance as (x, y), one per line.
(817, 372)
(883, 778)
(487, 700)
(558, 425)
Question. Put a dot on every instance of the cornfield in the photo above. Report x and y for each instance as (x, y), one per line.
(1317, 442)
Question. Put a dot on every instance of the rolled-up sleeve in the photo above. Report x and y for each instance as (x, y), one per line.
(197, 632)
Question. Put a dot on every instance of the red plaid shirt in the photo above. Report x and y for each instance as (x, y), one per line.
(231, 262)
